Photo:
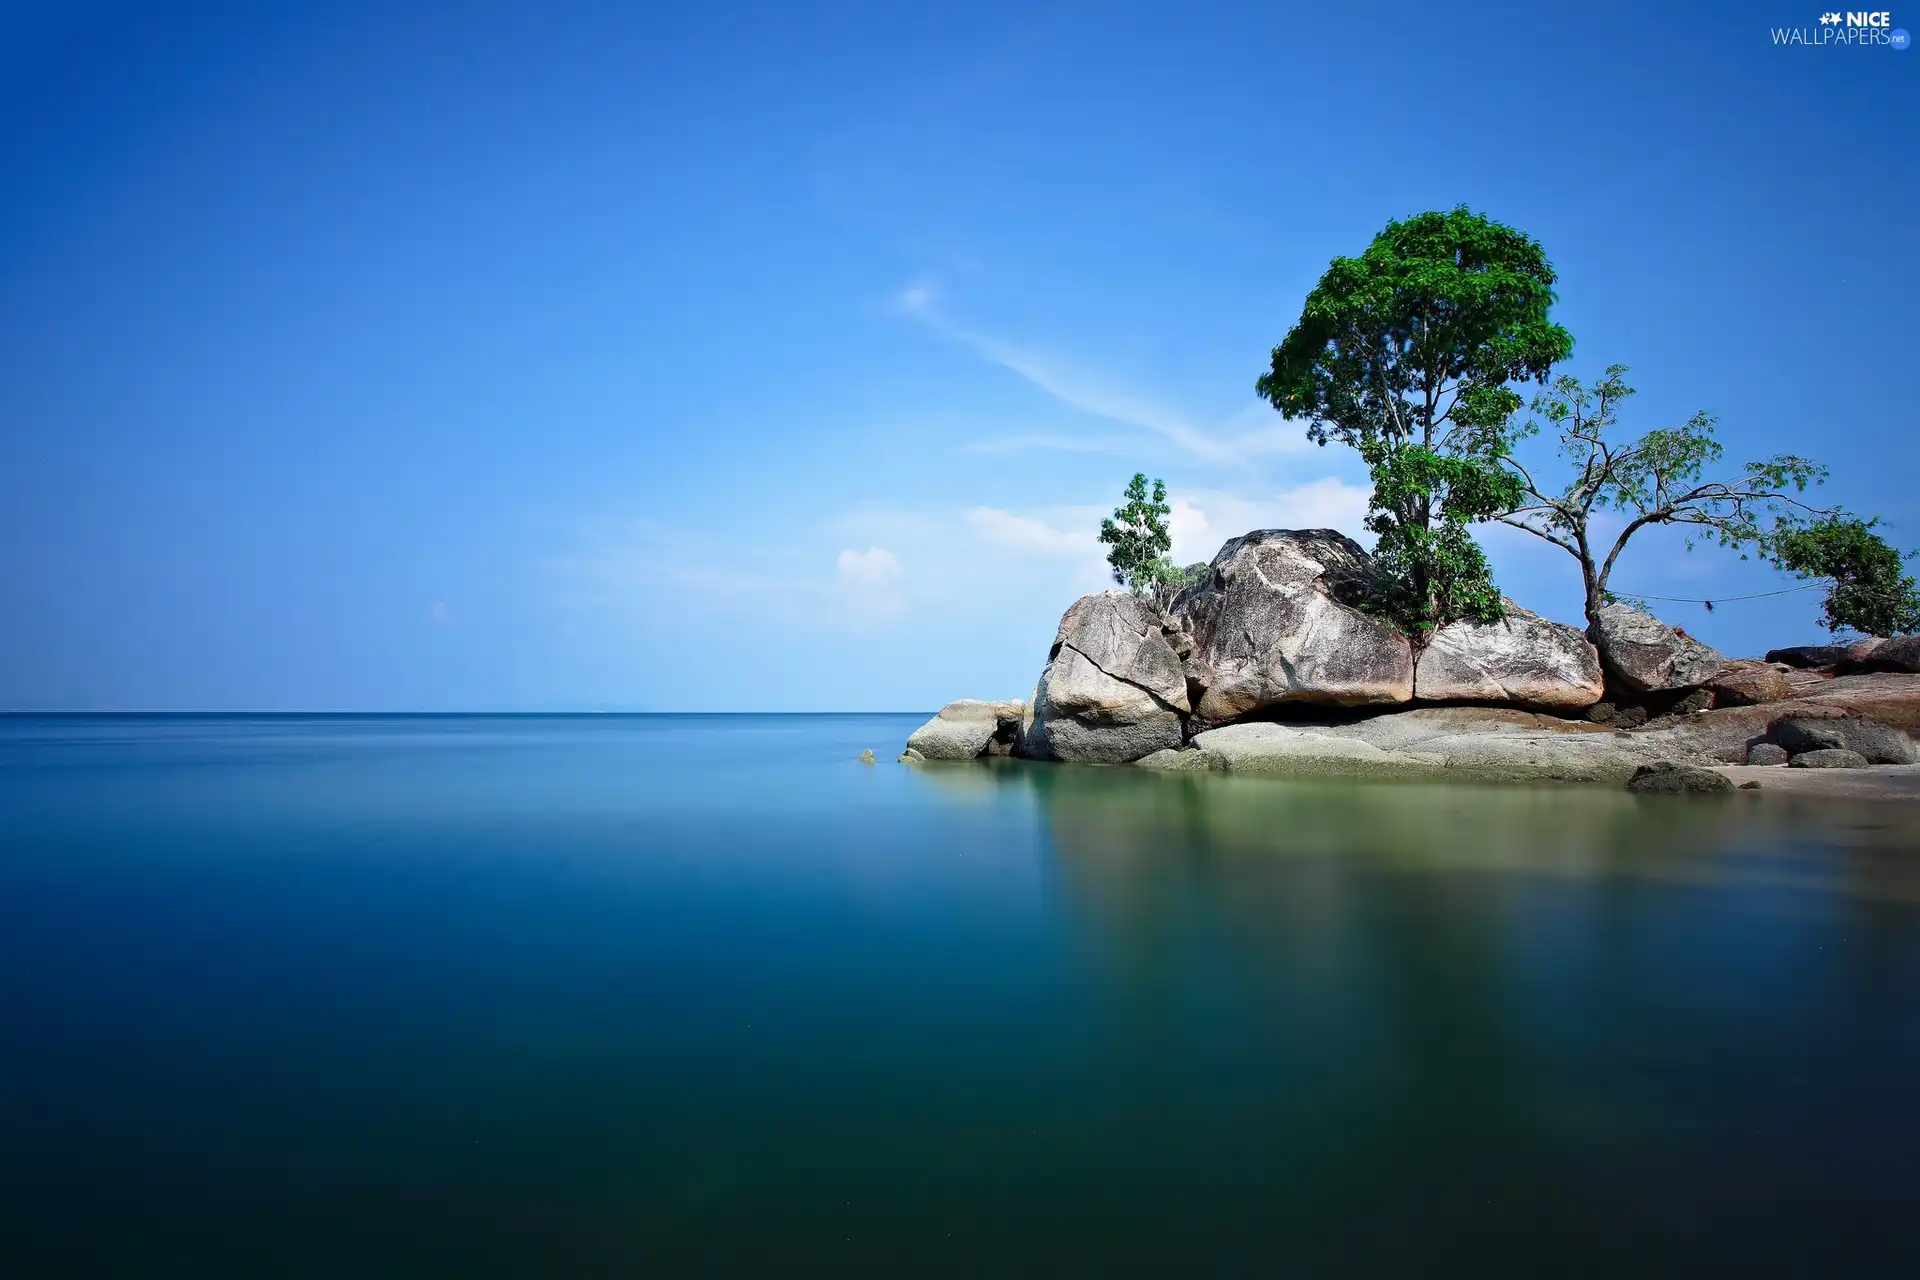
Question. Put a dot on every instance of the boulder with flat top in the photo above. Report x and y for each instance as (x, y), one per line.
(1523, 660)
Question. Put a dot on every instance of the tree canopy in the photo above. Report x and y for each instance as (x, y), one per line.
(1406, 354)
(1138, 535)
(1866, 589)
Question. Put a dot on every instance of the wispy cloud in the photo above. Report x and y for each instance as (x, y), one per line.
(1031, 533)
(1050, 443)
(870, 569)
(1232, 443)
(867, 585)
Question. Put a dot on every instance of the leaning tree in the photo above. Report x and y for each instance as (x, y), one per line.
(1655, 480)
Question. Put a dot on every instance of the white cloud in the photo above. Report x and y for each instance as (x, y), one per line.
(1193, 535)
(867, 586)
(1031, 533)
(874, 567)
(1201, 521)
(1235, 442)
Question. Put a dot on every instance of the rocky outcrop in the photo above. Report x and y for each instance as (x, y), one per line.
(1113, 689)
(968, 729)
(1809, 656)
(1902, 653)
(1273, 663)
(1890, 698)
(1745, 683)
(1522, 661)
(1276, 623)
(1899, 654)
(1645, 654)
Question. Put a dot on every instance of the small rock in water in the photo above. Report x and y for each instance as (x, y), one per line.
(1664, 777)
(866, 757)
(1766, 753)
(1749, 786)
(1828, 758)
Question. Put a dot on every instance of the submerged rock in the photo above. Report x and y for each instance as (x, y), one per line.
(1277, 623)
(1113, 689)
(1829, 758)
(1169, 760)
(1669, 777)
(1523, 661)
(1645, 654)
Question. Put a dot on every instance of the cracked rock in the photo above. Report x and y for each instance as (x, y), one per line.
(1113, 689)
(1278, 622)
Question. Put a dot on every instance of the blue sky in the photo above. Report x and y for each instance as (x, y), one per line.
(784, 357)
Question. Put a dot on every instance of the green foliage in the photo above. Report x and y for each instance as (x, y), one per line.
(1458, 491)
(1170, 580)
(1420, 333)
(1137, 533)
(1405, 354)
(1866, 590)
(1655, 480)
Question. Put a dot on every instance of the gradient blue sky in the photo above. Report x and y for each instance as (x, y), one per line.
(784, 357)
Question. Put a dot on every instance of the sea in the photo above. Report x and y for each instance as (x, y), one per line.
(661, 995)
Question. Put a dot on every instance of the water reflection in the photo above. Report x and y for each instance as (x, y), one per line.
(1110, 823)
(1577, 1005)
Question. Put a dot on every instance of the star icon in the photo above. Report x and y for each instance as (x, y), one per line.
(1829, 19)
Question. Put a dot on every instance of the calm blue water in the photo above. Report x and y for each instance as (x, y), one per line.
(704, 995)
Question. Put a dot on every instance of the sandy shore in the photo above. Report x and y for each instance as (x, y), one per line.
(1876, 782)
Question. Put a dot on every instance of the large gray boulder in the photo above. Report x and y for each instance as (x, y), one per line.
(1523, 661)
(968, 729)
(1645, 654)
(1743, 683)
(1276, 623)
(1878, 743)
(1112, 691)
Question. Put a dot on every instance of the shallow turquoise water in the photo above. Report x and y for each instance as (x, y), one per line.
(704, 995)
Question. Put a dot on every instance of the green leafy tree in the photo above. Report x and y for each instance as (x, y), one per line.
(1866, 590)
(1442, 553)
(1655, 480)
(1137, 533)
(1407, 354)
